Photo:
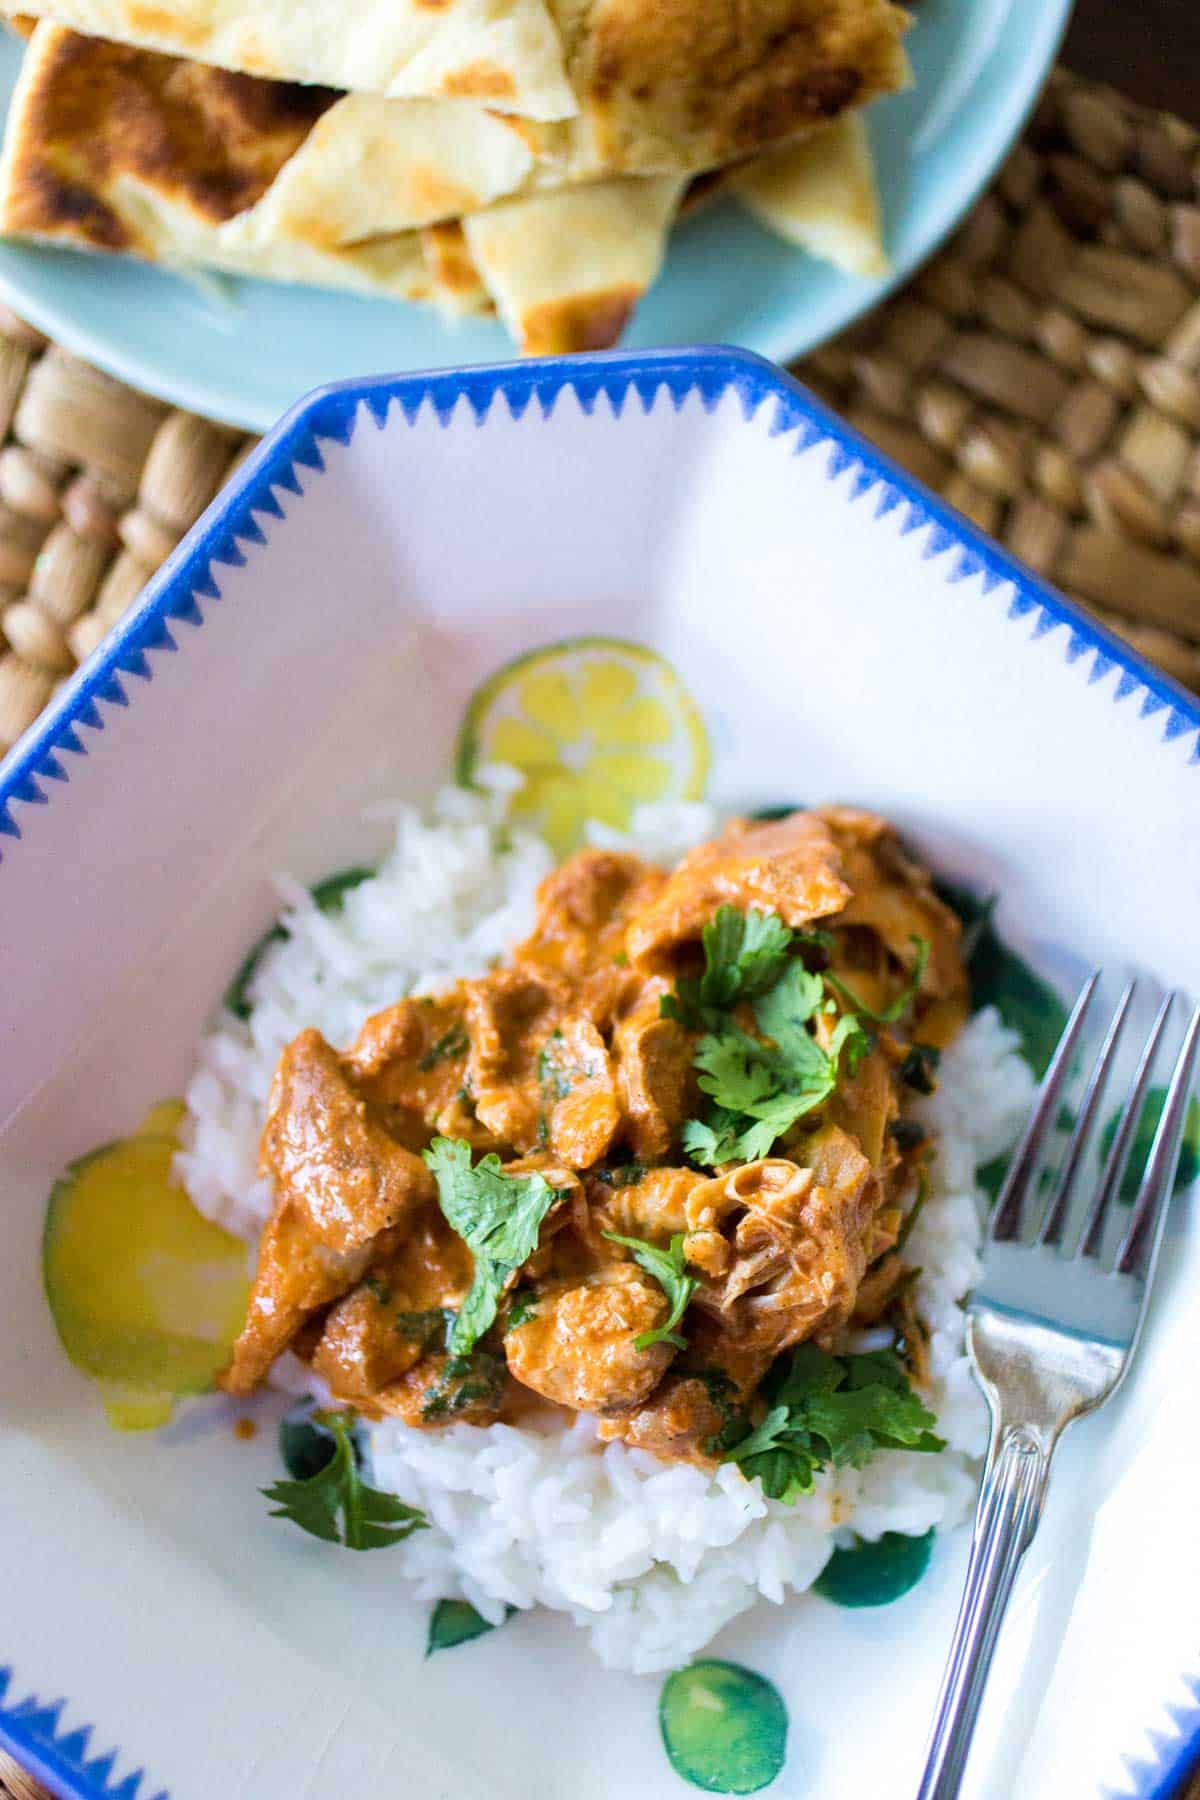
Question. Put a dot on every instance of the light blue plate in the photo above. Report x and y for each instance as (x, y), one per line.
(979, 65)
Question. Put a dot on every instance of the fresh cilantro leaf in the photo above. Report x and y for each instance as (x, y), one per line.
(669, 1269)
(743, 954)
(760, 1089)
(831, 1410)
(522, 1305)
(808, 1370)
(337, 1505)
(902, 1002)
(712, 1141)
(778, 1456)
(786, 1011)
(453, 1043)
(430, 1329)
(736, 1070)
(463, 1382)
(454, 1622)
(498, 1216)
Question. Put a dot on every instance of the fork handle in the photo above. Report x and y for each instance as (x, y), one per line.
(1010, 1504)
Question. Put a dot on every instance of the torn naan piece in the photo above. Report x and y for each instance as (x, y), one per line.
(566, 269)
(821, 196)
(666, 88)
(109, 148)
(455, 285)
(505, 52)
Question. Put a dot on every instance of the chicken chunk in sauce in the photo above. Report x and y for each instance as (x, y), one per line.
(572, 1071)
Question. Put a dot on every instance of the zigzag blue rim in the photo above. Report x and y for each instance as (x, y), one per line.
(230, 530)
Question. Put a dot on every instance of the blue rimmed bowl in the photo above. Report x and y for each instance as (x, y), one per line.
(309, 649)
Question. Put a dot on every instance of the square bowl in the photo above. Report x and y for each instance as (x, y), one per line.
(308, 651)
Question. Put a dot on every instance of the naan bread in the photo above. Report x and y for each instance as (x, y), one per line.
(505, 52)
(655, 86)
(566, 269)
(182, 163)
(821, 196)
(116, 149)
(110, 148)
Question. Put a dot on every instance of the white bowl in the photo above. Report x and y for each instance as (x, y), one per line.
(309, 648)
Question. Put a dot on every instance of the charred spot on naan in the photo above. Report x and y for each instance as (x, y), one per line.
(725, 79)
(478, 80)
(97, 112)
(583, 322)
(456, 282)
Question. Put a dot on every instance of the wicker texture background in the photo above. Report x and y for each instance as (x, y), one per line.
(1043, 373)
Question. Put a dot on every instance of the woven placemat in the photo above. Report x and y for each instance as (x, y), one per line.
(1042, 372)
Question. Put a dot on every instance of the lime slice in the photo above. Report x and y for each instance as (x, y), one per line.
(147, 1296)
(597, 726)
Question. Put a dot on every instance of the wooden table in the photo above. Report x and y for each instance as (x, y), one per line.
(1152, 53)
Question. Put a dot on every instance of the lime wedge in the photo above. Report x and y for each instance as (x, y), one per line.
(596, 725)
(147, 1296)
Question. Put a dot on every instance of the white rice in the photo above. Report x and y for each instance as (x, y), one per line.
(650, 1559)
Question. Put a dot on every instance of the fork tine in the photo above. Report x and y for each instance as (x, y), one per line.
(1091, 1230)
(1051, 1228)
(1150, 1207)
(1006, 1215)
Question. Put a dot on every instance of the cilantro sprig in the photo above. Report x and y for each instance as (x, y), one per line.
(669, 1269)
(831, 1411)
(498, 1217)
(761, 1088)
(744, 952)
(337, 1505)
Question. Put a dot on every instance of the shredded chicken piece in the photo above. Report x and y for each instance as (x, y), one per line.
(384, 1327)
(579, 1346)
(791, 867)
(344, 1191)
(540, 1075)
(411, 1061)
(655, 1081)
(564, 1063)
(796, 1237)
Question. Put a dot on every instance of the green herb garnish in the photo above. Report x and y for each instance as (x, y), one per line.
(336, 1504)
(451, 1044)
(669, 1269)
(454, 1622)
(498, 1216)
(466, 1381)
(762, 1089)
(831, 1410)
(522, 1305)
(327, 895)
(430, 1329)
(743, 954)
(902, 1002)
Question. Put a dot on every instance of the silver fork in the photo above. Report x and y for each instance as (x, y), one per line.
(1051, 1330)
